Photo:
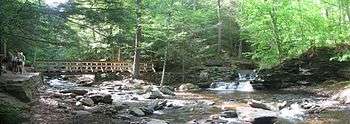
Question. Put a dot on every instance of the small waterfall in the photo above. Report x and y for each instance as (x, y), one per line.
(241, 84)
(245, 86)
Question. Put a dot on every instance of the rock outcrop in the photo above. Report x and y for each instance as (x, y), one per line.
(314, 66)
(23, 87)
(16, 92)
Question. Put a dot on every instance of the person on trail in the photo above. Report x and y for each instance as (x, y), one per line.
(11, 62)
(21, 62)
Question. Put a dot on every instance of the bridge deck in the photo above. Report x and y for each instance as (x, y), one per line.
(87, 67)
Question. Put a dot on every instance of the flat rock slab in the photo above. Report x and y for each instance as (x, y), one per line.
(256, 115)
(18, 77)
(21, 86)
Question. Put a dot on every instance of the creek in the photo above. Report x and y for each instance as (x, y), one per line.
(200, 106)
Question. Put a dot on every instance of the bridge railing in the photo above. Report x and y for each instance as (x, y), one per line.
(88, 67)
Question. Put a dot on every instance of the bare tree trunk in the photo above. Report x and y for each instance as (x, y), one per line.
(136, 64)
(183, 67)
(240, 49)
(219, 26)
(164, 65)
(119, 54)
(166, 49)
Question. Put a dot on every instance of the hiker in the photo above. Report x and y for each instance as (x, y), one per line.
(20, 62)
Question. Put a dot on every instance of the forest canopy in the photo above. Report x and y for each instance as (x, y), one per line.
(189, 32)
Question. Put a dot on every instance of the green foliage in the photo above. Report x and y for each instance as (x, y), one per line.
(279, 29)
(271, 30)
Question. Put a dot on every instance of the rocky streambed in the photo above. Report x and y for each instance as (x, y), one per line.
(79, 99)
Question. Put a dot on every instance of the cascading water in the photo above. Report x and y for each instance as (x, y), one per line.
(241, 84)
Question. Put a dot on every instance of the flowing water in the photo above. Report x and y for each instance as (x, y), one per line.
(241, 84)
(235, 93)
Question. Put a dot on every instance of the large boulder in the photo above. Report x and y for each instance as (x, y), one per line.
(136, 112)
(188, 87)
(229, 114)
(23, 87)
(99, 98)
(256, 115)
(273, 106)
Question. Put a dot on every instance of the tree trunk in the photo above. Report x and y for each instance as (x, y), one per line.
(275, 33)
(348, 11)
(167, 46)
(219, 26)
(240, 49)
(136, 64)
(119, 54)
(164, 65)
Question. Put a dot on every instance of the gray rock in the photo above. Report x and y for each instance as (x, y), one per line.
(102, 98)
(107, 99)
(147, 110)
(229, 114)
(81, 113)
(312, 107)
(156, 121)
(148, 89)
(188, 87)
(136, 112)
(158, 105)
(267, 106)
(79, 97)
(123, 87)
(167, 91)
(134, 98)
(156, 94)
(75, 91)
(96, 98)
(23, 87)
(87, 101)
(256, 115)
(81, 116)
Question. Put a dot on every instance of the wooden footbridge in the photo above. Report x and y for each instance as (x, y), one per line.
(87, 67)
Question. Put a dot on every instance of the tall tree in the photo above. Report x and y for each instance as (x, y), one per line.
(219, 27)
(138, 38)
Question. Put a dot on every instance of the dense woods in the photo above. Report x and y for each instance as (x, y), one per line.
(183, 32)
(175, 61)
